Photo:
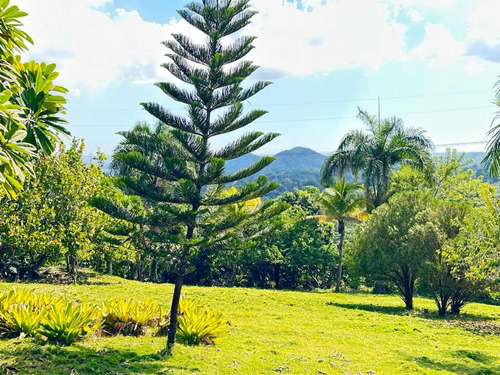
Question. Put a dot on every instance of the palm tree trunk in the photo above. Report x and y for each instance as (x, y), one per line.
(341, 254)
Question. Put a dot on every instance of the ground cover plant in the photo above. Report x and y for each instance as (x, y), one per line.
(276, 332)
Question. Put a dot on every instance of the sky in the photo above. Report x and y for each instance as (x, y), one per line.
(431, 62)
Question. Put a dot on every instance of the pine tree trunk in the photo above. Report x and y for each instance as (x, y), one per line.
(341, 254)
(110, 267)
(172, 328)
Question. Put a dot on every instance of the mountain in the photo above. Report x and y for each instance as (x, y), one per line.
(298, 158)
(300, 167)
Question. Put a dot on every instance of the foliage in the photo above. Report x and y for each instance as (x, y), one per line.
(129, 317)
(24, 312)
(199, 324)
(374, 153)
(51, 219)
(397, 240)
(342, 203)
(492, 159)
(298, 255)
(30, 104)
(66, 325)
(466, 221)
(185, 179)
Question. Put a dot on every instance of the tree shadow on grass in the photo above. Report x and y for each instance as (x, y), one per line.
(80, 360)
(476, 363)
(400, 310)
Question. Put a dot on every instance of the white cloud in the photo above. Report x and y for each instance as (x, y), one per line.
(483, 22)
(439, 46)
(432, 4)
(333, 35)
(473, 66)
(415, 15)
(92, 48)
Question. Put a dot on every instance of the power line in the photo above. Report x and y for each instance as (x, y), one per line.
(303, 103)
(317, 119)
(462, 144)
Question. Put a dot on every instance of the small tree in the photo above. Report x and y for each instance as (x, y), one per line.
(186, 188)
(394, 244)
(342, 203)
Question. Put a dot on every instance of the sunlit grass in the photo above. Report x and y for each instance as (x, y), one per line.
(274, 332)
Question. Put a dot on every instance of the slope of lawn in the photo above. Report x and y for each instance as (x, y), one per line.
(276, 332)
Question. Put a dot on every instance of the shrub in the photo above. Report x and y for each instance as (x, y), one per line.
(129, 317)
(20, 319)
(196, 325)
(67, 325)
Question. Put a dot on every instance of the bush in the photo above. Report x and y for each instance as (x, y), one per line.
(65, 326)
(22, 312)
(197, 324)
(20, 319)
(129, 317)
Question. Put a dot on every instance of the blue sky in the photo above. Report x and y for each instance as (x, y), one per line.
(432, 62)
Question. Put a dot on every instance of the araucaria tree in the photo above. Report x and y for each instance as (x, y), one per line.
(374, 153)
(189, 176)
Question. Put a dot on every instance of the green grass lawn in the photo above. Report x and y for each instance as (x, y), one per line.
(275, 332)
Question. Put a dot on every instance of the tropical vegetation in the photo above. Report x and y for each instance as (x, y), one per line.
(105, 272)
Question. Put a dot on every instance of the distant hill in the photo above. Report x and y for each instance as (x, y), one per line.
(298, 158)
(300, 167)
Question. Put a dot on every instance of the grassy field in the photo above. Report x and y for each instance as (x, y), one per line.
(276, 332)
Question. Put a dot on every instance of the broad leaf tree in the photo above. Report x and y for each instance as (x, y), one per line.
(398, 239)
(184, 182)
(30, 104)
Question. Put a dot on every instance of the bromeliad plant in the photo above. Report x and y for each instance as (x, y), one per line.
(65, 326)
(25, 313)
(129, 317)
(197, 324)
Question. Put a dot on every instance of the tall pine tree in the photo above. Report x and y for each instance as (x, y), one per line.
(188, 190)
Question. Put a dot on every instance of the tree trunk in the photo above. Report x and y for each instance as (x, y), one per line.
(73, 267)
(341, 254)
(172, 328)
(277, 276)
(153, 277)
(442, 305)
(110, 267)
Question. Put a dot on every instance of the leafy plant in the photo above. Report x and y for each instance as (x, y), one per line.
(129, 317)
(22, 311)
(65, 326)
(19, 319)
(199, 324)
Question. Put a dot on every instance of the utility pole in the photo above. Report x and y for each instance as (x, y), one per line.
(379, 111)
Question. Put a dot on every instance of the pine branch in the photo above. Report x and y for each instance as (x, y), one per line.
(245, 172)
(229, 122)
(166, 117)
(245, 145)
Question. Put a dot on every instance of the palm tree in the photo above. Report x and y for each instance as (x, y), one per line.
(492, 159)
(342, 203)
(374, 153)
